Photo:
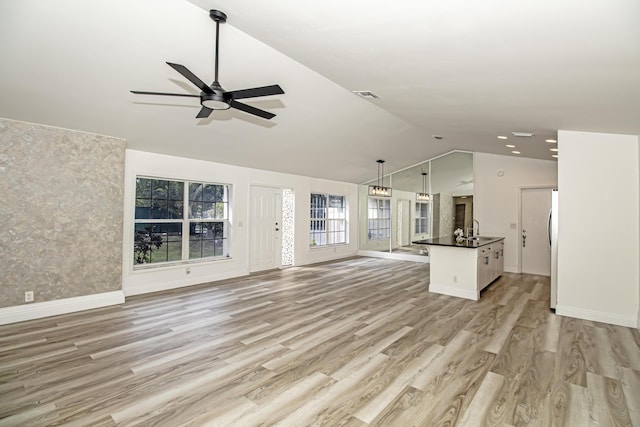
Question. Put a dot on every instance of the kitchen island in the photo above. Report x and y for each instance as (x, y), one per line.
(464, 269)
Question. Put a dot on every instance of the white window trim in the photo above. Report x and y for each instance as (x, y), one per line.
(185, 221)
(378, 219)
(326, 220)
(428, 217)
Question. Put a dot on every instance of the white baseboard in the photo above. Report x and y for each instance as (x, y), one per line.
(597, 316)
(38, 310)
(454, 292)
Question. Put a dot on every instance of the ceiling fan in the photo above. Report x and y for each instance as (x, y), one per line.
(214, 97)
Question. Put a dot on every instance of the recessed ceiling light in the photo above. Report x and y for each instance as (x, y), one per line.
(555, 156)
(553, 149)
(551, 140)
(523, 134)
(502, 137)
(510, 146)
(515, 152)
(366, 94)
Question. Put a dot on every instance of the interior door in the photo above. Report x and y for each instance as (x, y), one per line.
(265, 251)
(534, 233)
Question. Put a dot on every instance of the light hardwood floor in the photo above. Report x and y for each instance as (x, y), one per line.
(356, 342)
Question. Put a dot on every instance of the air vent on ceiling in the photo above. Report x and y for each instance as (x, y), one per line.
(366, 94)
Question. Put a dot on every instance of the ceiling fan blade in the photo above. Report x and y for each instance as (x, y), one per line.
(204, 113)
(138, 92)
(251, 110)
(255, 92)
(191, 77)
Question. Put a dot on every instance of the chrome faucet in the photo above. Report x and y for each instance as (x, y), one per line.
(473, 231)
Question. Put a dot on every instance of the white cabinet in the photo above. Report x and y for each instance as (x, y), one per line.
(490, 264)
(463, 271)
(498, 255)
(484, 266)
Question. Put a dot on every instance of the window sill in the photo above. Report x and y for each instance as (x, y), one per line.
(337, 245)
(141, 268)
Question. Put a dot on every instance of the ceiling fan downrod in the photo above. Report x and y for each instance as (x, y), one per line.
(218, 17)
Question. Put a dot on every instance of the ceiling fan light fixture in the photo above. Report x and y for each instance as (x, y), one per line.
(214, 101)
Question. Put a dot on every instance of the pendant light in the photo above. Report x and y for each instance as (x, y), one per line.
(380, 190)
(424, 196)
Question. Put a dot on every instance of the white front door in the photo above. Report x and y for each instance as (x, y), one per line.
(265, 229)
(534, 233)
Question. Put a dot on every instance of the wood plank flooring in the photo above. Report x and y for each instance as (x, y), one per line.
(359, 342)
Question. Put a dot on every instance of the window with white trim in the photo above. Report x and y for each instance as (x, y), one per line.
(328, 225)
(378, 219)
(180, 221)
(422, 218)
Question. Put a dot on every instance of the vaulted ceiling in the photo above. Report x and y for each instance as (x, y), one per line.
(463, 70)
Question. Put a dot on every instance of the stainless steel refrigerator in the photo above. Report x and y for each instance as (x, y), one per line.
(553, 244)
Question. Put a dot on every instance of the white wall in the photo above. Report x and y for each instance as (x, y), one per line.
(496, 196)
(598, 229)
(157, 165)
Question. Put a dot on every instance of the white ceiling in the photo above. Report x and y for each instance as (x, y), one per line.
(466, 70)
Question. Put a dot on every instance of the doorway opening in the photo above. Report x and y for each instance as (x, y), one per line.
(463, 212)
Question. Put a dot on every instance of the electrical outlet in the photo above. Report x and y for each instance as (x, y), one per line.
(28, 296)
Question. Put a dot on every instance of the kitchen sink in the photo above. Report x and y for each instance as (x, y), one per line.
(480, 238)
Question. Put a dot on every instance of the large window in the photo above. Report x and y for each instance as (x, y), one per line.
(422, 218)
(379, 219)
(179, 221)
(328, 220)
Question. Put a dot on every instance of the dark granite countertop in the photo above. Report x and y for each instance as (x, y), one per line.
(451, 241)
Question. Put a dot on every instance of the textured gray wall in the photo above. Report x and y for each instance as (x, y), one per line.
(442, 215)
(61, 205)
